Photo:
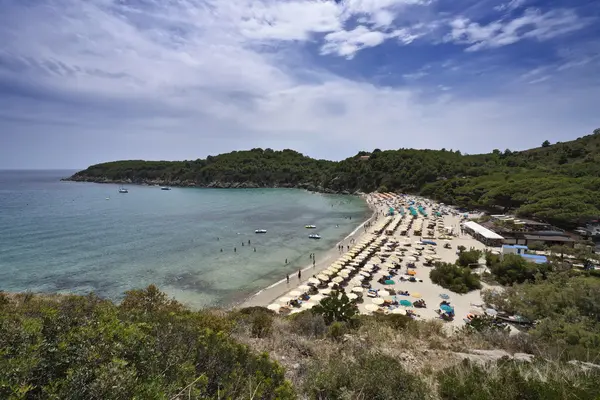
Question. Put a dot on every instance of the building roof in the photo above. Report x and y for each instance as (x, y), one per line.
(514, 246)
(483, 231)
(535, 258)
(549, 238)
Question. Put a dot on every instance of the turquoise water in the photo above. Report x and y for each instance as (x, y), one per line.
(67, 237)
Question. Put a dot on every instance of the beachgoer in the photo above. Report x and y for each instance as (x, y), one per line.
(248, 242)
(221, 250)
(255, 249)
(313, 262)
(217, 238)
(287, 278)
(286, 260)
(242, 244)
(235, 249)
(299, 274)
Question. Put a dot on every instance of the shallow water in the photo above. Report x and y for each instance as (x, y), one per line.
(67, 237)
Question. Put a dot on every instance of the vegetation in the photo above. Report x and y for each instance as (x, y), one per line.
(559, 183)
(467, 258)
(454, 277)
(336, 308)
(513, 268)
(151, 347)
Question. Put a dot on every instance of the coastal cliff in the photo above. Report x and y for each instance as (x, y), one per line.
(558, 183)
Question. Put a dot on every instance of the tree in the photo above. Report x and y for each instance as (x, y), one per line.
(546, 143)
(337, 307)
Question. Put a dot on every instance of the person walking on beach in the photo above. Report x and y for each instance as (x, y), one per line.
(299, 274)
(287, 278)
(313, 262)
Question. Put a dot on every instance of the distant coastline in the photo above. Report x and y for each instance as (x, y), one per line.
(212, 185)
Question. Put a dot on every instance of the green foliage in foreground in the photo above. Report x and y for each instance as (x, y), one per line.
(336, 308)
(150, 347)
(513, 268)
(566, 310)
(559, 183)
(454, 278)
(509, 380)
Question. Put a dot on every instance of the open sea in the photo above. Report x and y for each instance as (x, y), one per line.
(73, 237)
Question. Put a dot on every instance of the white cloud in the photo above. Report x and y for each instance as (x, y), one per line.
(511, 5)
(180, 79)
(533, 24)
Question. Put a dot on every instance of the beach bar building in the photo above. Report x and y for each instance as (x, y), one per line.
(483, 234)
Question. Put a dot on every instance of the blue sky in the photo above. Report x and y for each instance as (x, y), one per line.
(89, 81)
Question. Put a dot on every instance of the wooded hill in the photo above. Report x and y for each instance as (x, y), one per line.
(559, 183)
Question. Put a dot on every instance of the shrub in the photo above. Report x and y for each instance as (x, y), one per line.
(262, 324)
(516, 269)
(394, 321)
(466, 258)
(337, 330)
(336, 307)
(308, 324)
(509, 380)
(454, 278)
(148, 348)
(367, 377)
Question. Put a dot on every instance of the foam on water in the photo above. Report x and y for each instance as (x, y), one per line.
(66, 237)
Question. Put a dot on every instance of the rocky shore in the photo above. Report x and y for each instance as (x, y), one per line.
(214, 185)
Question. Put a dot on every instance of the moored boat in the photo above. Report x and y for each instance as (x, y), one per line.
(260, 231)
(314, 236)
(310, 226)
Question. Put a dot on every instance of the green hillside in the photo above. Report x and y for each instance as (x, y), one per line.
(559, 183)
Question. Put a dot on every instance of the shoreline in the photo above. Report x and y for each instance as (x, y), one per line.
(279, 288)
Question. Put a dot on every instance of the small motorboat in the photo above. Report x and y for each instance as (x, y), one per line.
(260, 231)
(314, 236)
(123, 190)
(310, 226)
(165, 188)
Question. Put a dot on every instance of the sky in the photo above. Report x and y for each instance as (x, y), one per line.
(89, 81)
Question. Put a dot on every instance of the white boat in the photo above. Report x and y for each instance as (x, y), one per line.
(165, 188)
(123, 190)
(310, 226)
(260, 231)
(314, 236)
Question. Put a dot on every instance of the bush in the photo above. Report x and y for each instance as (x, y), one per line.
(262, 324)
(509, 380)
(337, 330)
(454, 278)
(516, 269)
(308, 324)
(336, 307)
(394, 321)
(466, 258)
(367, 377)
(149, 348)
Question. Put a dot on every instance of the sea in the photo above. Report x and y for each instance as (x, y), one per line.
(197, 245)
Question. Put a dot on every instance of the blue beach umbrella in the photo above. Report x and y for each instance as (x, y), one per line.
(446, 308)
(444, 296)
(405, 303)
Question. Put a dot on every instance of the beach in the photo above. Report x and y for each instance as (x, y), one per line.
(370, 254)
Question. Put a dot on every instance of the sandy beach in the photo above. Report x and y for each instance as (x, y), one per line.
(370, 245)
(322, 262)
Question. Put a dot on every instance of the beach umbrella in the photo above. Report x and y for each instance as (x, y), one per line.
(383, 293)
(326, 291)
(405, 303)
(371, 307)
(304, 288)
(308, 305)
(398, 311)
(274, 307)
(327, 272)
(411, 258)
(338, 279)
(323, 278)
(429, 251)
(491, 311)
(331, 284)
(412, 272)
(446, 308)
(444, 296)
(284, 300)
(294, 293)
(377, 300)
(343, 274)
(316, 298)
(352, 296)
(363, 273)
(416, 295)
(357, 289)
(314, 281)
(389, 282)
